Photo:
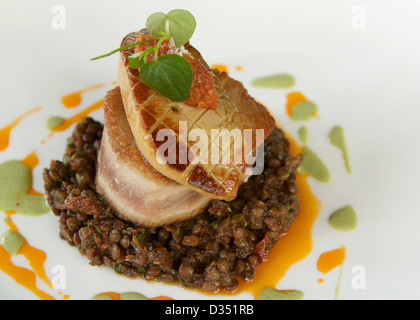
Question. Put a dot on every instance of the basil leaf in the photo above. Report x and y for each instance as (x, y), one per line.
(135, 61)
(178, 24)
(170, 75)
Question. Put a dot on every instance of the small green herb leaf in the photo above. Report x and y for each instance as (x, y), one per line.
(156, 23)
(181, 26)
(135, 61)
(178, 24)
(170, 75)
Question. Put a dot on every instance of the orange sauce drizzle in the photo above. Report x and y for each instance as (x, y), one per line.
(77, 117)
(291, 247)
(292, 99)
(331, 259)
(224, 68)
(23, 276)
(288, 250)
(31, 160)
(161, 298)
(117, 296)
(74, 99)
(36, 257)
(220, 67)
(113, 295)
(5, 132)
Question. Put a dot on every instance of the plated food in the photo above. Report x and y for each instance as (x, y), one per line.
(164, 188)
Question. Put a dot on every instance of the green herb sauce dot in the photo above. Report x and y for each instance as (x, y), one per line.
(336, 136)
(12, 241)
(343, 219)
(303, 110)
(303, 134)
(313, 166)
(53, 122)
(276, 81)
(102, 297)
(15, 182)
(273, 294)
(132, 296)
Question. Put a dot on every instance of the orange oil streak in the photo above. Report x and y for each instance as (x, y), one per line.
(31, 160)
(331, 259)
(77, 117)
(113, 295)
(5, 132)
(161, 298)
(117, 296)
(292, 99)
(74, 99)
(23, 276)
(220, 67)
(291, 247)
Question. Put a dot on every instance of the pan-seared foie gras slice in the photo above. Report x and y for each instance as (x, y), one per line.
(148, 112)
(135, 190)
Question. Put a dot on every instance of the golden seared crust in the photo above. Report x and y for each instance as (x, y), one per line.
(117, 127)
(148, 113)
(131, 186)
(254, 114)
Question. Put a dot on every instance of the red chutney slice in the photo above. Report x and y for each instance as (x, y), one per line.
(203, 93)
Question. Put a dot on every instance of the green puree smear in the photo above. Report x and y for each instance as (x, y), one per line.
(12, 241)
(336, 136)
(102, 297)
(303, 134)
(123, 296)
(276, 81)
(303, 111)
(273, 294)
(132, 296)
(15, 181)
(343, 219)
(53, 122)
(313, 166)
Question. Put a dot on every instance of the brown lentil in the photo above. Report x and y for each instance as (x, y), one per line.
(228, 240)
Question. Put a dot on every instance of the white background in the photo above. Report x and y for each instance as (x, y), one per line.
(364, 79)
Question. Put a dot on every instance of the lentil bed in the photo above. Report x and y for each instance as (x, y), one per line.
(209, 252)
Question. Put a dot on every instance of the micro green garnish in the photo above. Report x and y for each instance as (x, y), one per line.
(178, 24)
(170, 74)
(123, 48)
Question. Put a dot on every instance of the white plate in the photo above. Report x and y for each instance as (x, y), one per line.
(359, 61)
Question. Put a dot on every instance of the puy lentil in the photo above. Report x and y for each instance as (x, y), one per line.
(228, 240)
